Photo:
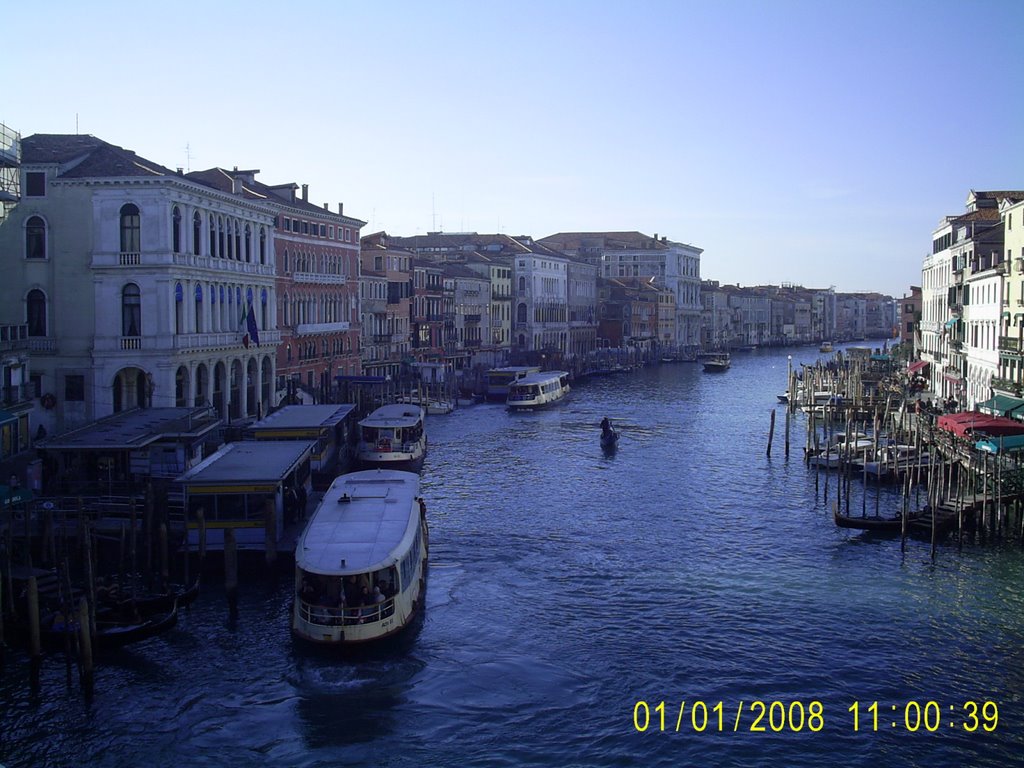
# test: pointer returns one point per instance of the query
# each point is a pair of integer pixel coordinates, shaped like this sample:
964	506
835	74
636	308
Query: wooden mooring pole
86	671
771	434
270	526
231	570
35	649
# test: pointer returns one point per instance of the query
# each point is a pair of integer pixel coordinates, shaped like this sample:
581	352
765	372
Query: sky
817	143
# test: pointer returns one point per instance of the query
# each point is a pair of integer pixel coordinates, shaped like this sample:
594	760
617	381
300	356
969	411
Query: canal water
571	593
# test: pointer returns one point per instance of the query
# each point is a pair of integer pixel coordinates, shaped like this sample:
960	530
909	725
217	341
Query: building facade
134	281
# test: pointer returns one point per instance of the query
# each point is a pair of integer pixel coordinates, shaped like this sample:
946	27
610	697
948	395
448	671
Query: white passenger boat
826	346
393	437
500	379
538	390
361	562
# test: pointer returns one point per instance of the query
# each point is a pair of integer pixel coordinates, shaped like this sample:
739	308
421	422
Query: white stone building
137	285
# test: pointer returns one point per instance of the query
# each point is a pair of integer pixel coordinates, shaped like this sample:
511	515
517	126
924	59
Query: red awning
915	367
974	422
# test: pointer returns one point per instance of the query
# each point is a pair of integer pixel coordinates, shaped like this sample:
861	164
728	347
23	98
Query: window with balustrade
131	310
131	228
35	309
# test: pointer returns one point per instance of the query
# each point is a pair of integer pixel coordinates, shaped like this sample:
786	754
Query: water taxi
826	346
538	390
393	437
361	562
500	379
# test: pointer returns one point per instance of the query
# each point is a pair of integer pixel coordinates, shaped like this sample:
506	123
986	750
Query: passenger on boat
605	425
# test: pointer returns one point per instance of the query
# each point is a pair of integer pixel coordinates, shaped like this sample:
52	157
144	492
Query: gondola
55	634
146	604
877	523
609	439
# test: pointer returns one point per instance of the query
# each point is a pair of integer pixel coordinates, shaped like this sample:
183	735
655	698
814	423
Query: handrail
334	616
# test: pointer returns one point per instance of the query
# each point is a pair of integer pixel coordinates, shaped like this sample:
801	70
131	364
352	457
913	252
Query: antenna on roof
76	123
188	158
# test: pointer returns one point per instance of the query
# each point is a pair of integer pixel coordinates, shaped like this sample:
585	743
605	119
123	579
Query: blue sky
805	142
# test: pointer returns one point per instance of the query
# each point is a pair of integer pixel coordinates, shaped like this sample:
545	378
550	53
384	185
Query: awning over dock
970	423
135	429
1003	405
261	464
300	420
1009	444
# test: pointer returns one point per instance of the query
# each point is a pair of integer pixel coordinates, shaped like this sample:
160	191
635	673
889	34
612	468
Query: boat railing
336	616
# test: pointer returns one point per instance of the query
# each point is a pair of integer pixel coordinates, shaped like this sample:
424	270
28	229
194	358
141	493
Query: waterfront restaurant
332	429
233	488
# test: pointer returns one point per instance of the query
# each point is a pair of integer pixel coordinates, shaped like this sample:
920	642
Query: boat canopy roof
539	378
366	521
304	417
394	415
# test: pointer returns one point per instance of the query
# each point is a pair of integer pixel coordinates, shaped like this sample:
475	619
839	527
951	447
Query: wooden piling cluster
966	490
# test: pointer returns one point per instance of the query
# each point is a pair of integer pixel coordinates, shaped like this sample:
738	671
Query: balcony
1006	386
1010	344
306	328
319	279
472	344
42	346
471	319
13	337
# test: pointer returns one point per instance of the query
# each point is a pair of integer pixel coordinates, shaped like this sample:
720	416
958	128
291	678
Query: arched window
248	243
263	245
231	242
197	232
220	237
179	313
176	229
238	243
131	310
130	228
213	235
35	238
36	312
521	313
522	285
264	313
199	309
286	260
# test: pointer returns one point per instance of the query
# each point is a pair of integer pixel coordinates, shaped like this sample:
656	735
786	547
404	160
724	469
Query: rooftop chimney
327	206
305	193
181	171
236	185
341	209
